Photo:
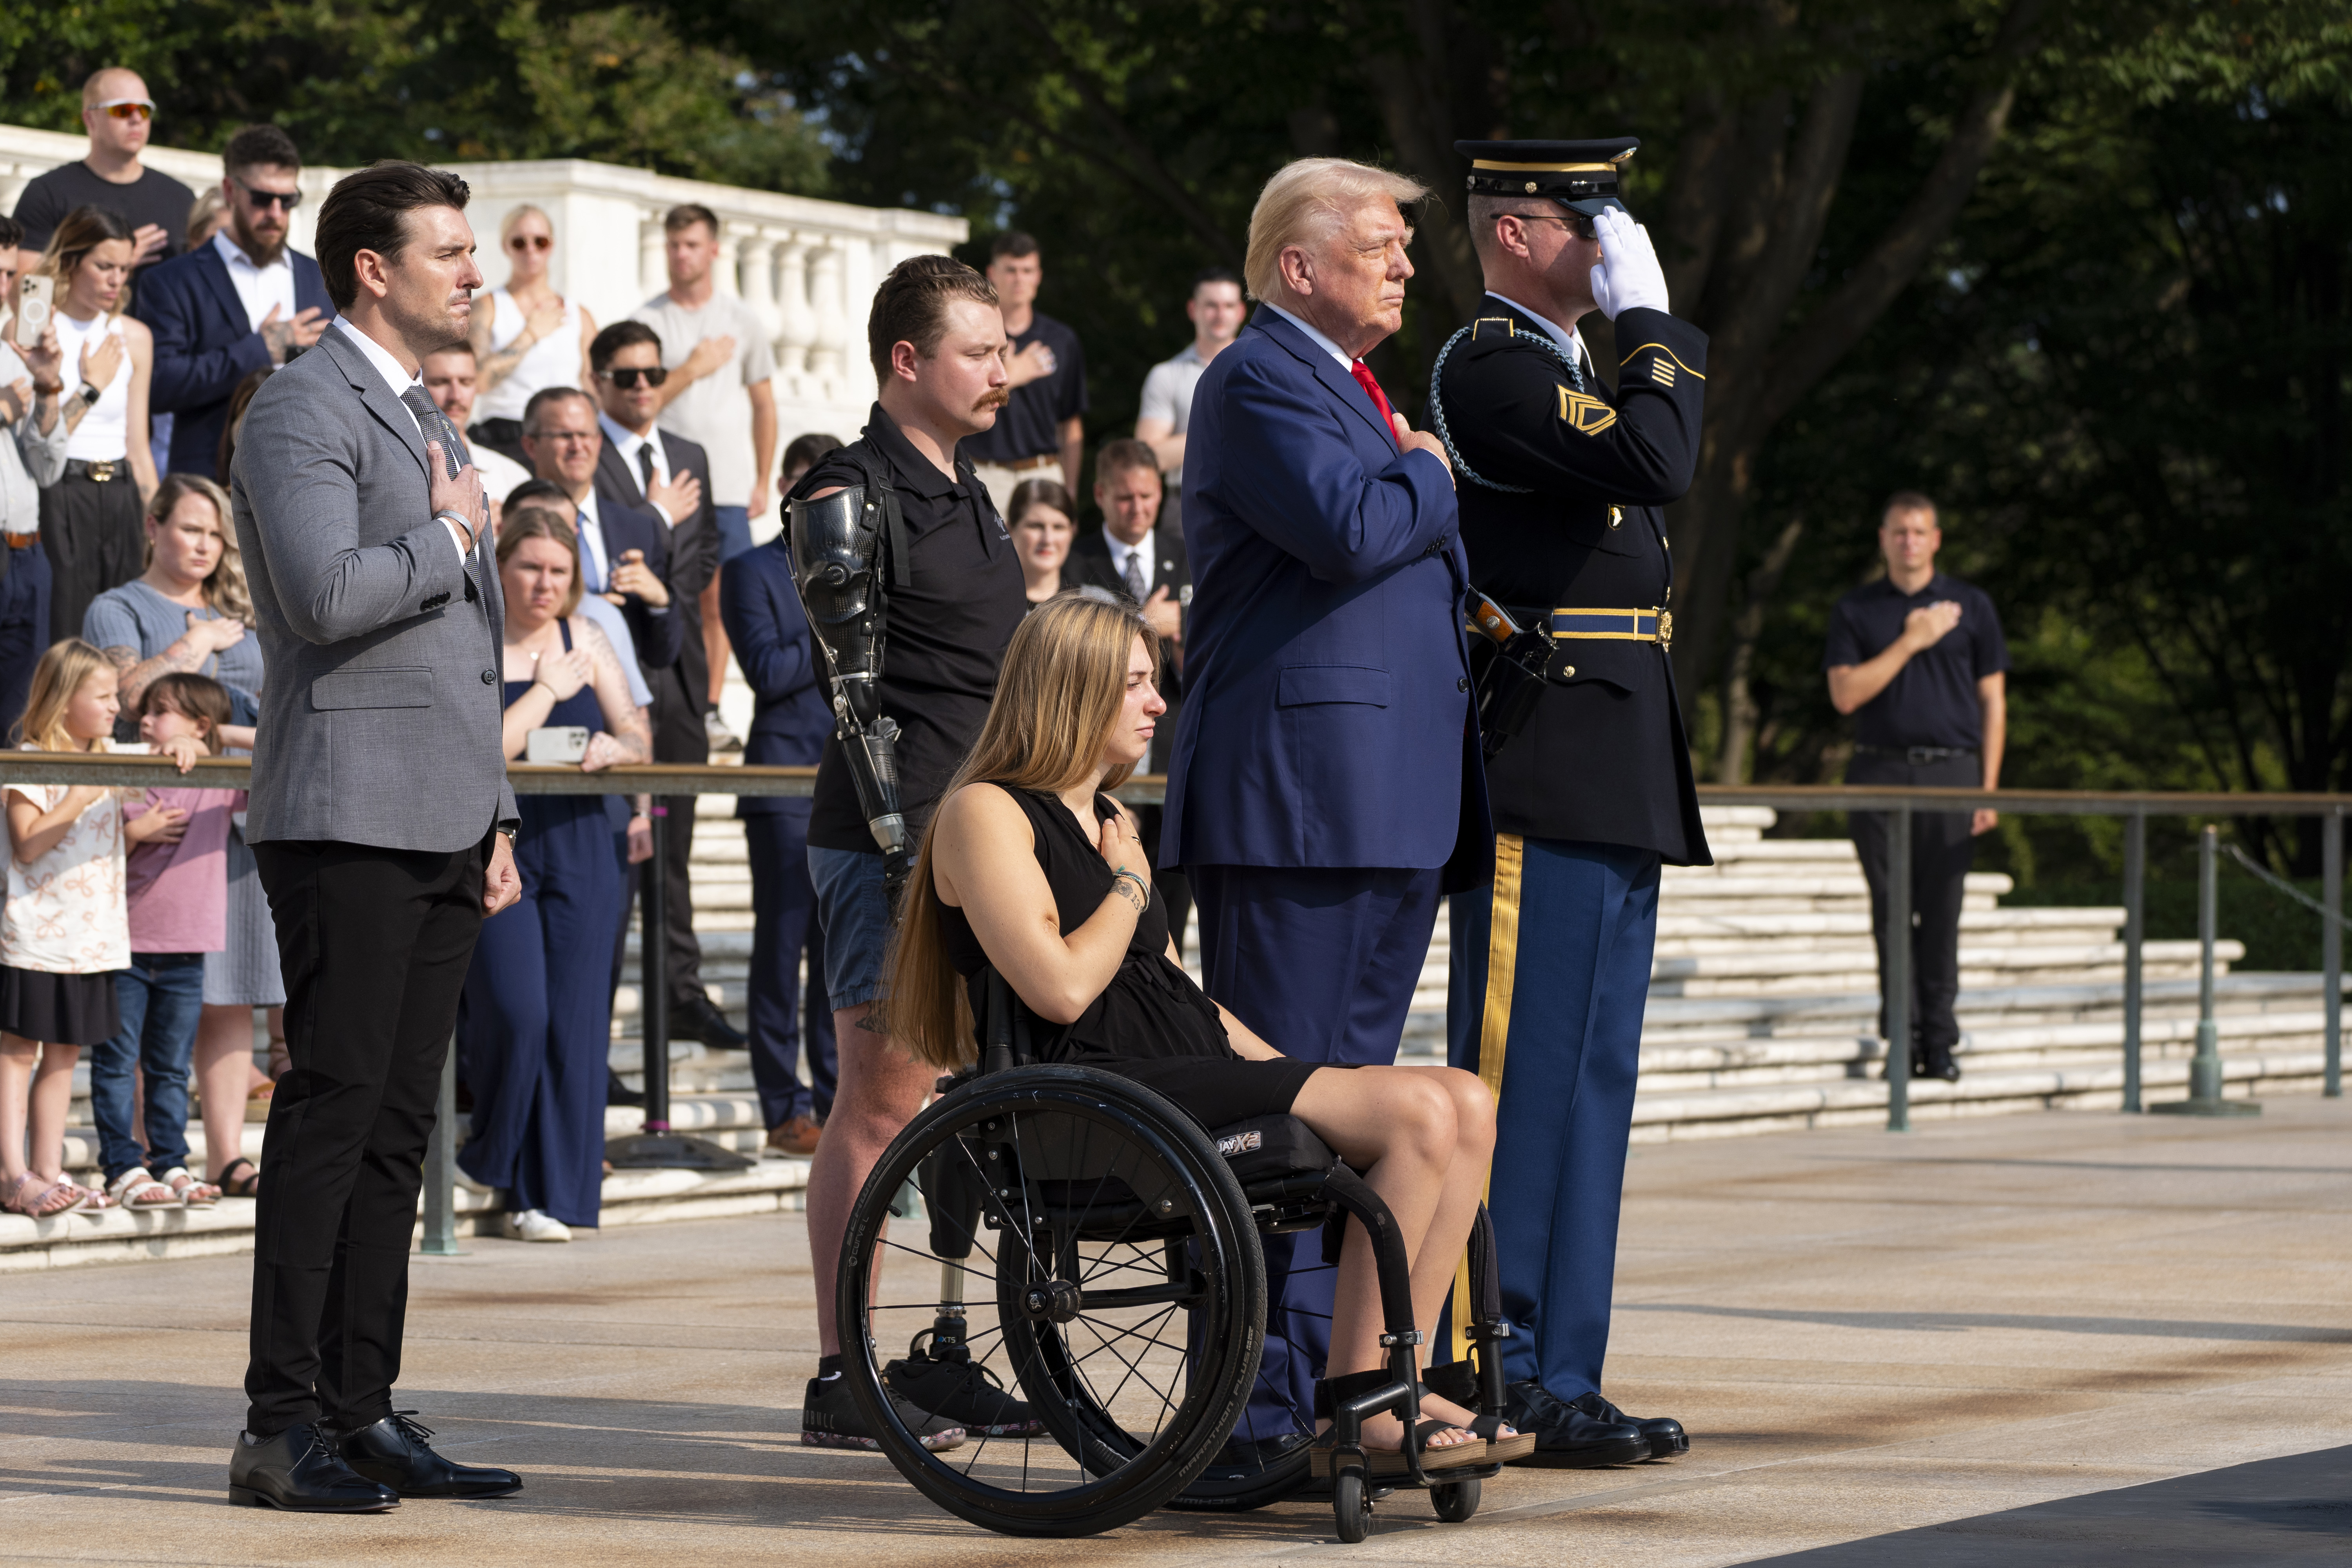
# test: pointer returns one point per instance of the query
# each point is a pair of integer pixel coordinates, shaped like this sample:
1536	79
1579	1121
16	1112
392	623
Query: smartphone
556	744
33	300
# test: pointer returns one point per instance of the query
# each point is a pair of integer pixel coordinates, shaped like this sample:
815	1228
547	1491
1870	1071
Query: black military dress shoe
394	1451
1666	1433
694	1018
297	1471
1568	1437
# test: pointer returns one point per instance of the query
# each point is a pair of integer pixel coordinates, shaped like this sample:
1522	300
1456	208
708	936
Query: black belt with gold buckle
103	472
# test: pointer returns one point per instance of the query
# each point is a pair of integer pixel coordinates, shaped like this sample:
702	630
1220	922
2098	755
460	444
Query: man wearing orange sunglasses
119	116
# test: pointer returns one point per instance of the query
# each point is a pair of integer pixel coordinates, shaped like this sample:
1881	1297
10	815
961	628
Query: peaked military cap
1580	175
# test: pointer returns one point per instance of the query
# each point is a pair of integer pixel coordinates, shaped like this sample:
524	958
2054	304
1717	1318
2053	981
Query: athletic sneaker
830	1419
962	1391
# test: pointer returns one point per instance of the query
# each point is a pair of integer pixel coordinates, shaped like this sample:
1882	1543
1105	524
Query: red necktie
1363	375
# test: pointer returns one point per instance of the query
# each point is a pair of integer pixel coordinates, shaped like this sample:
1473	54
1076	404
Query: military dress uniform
1560	483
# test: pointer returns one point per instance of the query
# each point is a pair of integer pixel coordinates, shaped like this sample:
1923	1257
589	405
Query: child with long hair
1030	867
64	930
177	883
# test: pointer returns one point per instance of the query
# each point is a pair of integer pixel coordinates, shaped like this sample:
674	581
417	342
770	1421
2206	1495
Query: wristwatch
89	394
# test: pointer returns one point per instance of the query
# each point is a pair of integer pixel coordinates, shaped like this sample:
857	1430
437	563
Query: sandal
194	1194
137	1190
1385	1461
1456	1384
257	1101
57	1199
92	1200
246	1186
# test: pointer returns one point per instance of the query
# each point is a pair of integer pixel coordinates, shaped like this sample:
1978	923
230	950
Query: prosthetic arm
846	549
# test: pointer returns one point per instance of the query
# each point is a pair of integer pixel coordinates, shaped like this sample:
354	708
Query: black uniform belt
1656	625
1917	756
104	471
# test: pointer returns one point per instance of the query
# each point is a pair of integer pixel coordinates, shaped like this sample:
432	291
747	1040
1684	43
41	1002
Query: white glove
1629	273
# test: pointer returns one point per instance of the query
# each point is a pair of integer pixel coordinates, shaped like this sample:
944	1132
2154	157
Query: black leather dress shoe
297	1471
694	1018
1568	1437
1666	1433
393	1452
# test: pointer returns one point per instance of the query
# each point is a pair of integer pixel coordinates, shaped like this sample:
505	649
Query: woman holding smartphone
538	999
90	519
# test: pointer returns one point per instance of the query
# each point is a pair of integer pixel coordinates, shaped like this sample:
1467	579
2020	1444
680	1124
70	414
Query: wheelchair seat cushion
1263	1148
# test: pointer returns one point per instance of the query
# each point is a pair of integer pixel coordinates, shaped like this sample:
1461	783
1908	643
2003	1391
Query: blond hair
55	678
225	588
515	214
1305	203
1057	697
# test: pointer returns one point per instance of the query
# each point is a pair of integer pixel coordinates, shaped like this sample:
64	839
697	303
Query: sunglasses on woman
629	376
532	242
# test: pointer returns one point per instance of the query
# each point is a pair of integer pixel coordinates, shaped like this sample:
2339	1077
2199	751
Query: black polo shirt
946	635
1932	700
1030	426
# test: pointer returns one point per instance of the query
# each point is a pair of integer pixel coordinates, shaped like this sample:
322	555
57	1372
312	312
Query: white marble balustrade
807	267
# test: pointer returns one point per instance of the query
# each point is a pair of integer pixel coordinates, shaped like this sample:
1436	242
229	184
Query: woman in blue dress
537	1011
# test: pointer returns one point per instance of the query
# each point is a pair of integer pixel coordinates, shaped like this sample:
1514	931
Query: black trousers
95	541
679	737
374	944
784	1019
1941	850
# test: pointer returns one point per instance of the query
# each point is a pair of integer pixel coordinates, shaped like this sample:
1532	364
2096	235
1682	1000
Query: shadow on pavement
2291	1511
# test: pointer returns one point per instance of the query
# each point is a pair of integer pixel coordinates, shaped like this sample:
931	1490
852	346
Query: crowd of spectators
625	465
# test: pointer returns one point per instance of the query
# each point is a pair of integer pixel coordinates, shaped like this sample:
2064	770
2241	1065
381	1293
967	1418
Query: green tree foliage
361	79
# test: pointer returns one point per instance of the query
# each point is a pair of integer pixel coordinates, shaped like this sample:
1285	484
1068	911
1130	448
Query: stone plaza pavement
1962	1346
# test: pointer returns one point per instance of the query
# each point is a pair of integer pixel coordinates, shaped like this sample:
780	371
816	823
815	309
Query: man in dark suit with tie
244	302
770	634
623	551
1327	764
1132	554
643	469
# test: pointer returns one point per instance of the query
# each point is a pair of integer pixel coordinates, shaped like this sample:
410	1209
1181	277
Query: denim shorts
855	916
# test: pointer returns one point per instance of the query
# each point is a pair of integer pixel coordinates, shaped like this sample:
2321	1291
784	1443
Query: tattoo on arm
630	729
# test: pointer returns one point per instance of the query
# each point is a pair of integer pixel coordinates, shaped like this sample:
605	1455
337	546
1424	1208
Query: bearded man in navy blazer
245	302
1327	766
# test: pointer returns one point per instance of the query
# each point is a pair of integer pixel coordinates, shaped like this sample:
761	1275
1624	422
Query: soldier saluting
1560	482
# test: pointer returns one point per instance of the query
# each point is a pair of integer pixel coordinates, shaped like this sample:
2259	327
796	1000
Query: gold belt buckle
1666	629
102	471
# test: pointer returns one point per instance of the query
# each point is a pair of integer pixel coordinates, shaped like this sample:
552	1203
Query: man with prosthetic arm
1560	482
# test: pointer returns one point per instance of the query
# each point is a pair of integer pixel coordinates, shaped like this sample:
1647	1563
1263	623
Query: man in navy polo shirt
1917	657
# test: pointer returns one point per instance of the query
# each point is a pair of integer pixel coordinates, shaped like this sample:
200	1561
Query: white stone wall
808	268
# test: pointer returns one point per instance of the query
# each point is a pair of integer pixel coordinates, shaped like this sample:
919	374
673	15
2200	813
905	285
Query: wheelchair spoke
1133	1370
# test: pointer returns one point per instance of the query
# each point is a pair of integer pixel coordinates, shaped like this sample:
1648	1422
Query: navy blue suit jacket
769	633
204	347
1328	719
628	528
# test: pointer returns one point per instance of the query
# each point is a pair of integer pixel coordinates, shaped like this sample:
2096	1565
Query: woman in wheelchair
1030	867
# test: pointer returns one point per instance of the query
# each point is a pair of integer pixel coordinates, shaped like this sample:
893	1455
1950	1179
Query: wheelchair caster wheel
1455	1502
1351	1507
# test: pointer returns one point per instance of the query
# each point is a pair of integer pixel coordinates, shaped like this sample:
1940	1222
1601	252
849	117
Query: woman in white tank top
91	518
527	337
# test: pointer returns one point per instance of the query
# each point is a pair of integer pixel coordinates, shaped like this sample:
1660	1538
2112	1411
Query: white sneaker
532	1224
720	737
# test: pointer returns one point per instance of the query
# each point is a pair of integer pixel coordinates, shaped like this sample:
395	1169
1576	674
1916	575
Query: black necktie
646	465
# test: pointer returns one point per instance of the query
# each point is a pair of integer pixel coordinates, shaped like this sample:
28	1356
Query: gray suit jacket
381	720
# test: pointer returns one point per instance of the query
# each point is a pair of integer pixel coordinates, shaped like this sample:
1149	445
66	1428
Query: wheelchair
1078	1241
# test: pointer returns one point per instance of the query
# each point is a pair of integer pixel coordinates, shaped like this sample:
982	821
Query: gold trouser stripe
1493	1030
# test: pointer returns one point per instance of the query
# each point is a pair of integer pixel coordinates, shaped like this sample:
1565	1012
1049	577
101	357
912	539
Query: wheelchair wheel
1070	1222
1351	1506
1455	1502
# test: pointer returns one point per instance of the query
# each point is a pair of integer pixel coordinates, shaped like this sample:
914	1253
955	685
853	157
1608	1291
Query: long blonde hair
1058	695
225	588
55	678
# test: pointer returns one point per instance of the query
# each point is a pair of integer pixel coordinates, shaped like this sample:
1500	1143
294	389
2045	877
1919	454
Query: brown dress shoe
797	1137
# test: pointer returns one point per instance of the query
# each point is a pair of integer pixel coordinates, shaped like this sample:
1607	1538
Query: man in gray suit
380	823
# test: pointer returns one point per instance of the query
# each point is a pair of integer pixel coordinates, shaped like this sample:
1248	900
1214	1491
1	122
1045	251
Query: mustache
996	399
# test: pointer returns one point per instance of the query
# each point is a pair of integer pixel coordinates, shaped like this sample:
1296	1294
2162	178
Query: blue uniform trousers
1321	964
1573	926
783	926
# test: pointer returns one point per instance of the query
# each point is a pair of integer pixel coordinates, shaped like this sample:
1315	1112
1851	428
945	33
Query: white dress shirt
258	288
397	381
1571	341
1120	550
624	443
1315	336
595	564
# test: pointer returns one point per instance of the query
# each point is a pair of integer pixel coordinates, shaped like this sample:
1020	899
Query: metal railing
658	1145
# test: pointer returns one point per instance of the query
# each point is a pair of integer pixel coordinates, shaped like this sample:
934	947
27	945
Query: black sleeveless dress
1151	1024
